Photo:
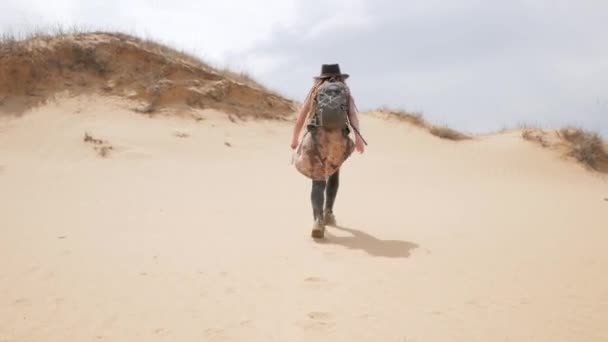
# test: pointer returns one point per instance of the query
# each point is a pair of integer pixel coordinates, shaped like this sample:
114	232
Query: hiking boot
318	229
329	219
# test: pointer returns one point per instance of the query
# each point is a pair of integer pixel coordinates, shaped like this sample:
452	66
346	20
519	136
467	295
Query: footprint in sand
316	282
161	331
317	321
180	134
319	316
216	334
20	301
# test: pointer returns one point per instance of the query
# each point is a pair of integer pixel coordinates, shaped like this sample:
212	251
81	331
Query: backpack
331	105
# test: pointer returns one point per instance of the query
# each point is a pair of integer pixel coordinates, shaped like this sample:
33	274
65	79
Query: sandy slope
187	239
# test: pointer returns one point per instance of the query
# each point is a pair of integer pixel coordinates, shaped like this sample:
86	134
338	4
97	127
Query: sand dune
192	225
199	230
32	71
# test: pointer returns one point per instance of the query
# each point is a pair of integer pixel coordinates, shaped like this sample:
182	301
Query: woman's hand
359	146
294	143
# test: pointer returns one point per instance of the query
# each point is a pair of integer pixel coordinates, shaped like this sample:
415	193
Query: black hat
329	70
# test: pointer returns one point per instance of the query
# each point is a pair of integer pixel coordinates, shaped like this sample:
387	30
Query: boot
329	219
318	230
318	227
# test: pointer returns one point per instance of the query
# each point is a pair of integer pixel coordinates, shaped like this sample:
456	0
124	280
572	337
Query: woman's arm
354	121
352	115
300	123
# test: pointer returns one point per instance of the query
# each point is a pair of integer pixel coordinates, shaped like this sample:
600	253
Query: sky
475	65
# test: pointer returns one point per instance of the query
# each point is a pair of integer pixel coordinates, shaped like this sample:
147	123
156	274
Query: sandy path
188	239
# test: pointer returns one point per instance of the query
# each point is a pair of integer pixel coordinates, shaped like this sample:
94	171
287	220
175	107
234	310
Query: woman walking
329	113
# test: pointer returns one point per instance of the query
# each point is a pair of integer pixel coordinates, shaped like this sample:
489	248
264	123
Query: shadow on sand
368	243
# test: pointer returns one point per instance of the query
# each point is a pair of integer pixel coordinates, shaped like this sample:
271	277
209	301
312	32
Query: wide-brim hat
331	70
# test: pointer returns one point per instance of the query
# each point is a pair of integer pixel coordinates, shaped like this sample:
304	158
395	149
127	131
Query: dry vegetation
535	135
413	118
586	147
102	147
418	120
448	133
37	67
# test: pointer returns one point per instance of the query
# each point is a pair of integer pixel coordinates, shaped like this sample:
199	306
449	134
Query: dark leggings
322	189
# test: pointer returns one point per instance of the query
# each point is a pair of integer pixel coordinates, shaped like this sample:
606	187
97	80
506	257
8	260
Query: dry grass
102	147
535	135
447	133
243	77
414	118
89	139
172	53
417	119
104	151
587	147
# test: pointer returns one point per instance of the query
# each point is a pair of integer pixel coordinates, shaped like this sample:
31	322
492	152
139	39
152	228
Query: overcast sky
476	65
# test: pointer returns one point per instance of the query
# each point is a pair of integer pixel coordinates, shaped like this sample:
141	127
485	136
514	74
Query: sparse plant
535	135
445	132
104	150
89	138
587	147
417	119
102	147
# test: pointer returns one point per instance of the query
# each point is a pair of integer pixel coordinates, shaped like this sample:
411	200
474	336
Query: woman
327	144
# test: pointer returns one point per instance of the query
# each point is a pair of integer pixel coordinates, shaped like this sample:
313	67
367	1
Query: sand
200	231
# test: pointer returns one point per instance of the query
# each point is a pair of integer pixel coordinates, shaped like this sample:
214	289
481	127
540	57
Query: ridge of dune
576	144
34	69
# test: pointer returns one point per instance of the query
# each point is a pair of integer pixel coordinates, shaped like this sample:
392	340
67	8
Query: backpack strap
350	124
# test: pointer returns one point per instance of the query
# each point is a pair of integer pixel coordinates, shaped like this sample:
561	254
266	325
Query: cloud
476	65
208	28
20	16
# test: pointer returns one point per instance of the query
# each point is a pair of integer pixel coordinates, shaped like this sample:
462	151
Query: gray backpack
331	105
